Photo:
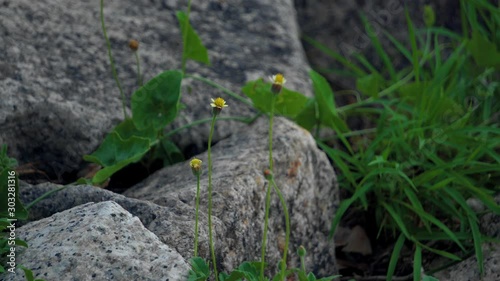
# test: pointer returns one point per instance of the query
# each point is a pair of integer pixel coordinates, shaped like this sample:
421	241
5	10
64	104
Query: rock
101	241
338	26
59	98
165	201
468	270
302	172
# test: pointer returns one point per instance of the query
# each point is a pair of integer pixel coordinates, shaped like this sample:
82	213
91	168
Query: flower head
278	82
218	104
133	45
195	166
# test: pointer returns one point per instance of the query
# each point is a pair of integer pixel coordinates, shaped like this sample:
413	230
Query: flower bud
301	251
133	45
195	166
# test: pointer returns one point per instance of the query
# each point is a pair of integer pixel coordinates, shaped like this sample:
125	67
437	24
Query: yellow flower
278	81
195	166
218	104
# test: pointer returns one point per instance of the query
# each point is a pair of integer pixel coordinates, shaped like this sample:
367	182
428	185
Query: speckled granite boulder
98	241
165	201
59	98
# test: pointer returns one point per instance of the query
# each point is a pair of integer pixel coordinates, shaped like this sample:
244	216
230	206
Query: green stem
271	117
303	264
287	228
196	216
108	44
214	261
222	88
264	236
139	77
45	195
184	41
268	194
246	120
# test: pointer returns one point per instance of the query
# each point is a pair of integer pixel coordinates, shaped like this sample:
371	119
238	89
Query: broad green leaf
288	103
5	161
116	153
307	118
126	129
484	52
194	48
326	103
10	205
156	104
170	153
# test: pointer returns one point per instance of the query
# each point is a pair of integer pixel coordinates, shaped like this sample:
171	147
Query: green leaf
429	16
194	48
199	269
417	263
326	104
5	161
170	153
484	52
10	205
395	256
156	104
307	118
127	129
369	85
116	153
288	103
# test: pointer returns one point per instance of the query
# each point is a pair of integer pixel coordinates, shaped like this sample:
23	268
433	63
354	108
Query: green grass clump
436	137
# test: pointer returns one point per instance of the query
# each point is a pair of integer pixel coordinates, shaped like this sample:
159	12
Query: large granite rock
59	98
98	241
165	201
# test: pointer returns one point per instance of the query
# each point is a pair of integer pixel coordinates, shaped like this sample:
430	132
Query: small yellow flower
278	81
195	166
218	104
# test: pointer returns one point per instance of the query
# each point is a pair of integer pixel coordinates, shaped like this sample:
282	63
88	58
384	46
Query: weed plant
434	144
436	138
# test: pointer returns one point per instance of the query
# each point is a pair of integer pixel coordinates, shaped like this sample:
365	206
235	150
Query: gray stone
58	95
468	270
302	172
338	26
98	241
165	203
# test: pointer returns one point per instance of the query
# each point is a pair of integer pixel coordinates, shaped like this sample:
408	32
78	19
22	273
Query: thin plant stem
184	41
196	215
264	236
222	88
268	194
111	61
214	261
45	195
139	77
287	227
303	264
246	120
271	117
